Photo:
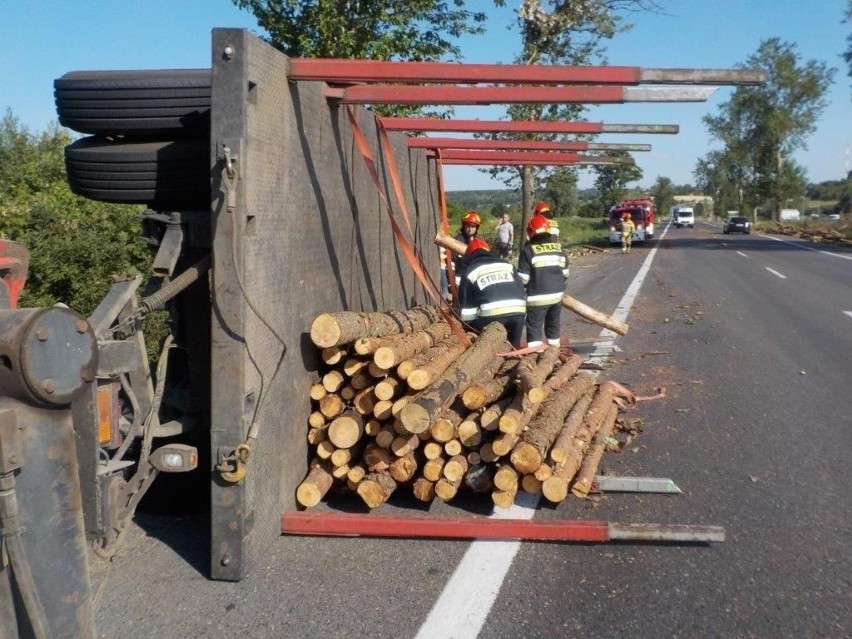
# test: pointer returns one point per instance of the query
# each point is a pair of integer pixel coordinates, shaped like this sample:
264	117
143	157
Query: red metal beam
434	94
354	525
328	524
520	126
520	145
344	70
511	158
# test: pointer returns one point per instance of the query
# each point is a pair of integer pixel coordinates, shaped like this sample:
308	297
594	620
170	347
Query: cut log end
554	489
414	418
325	331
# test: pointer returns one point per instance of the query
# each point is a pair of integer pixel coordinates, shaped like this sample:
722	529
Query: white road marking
849	313
463	606
809	248
774	272
741	253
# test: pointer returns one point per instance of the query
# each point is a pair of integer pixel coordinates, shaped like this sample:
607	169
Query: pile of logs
406	401
817	233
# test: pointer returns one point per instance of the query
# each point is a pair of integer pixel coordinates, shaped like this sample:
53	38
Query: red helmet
477	244
472	218
541	208
538	224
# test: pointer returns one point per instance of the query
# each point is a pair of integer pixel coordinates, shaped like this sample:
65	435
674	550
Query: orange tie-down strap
413	259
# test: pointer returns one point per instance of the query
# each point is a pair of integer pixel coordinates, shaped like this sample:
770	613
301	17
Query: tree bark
589	468
529	453
450	243
559	451
334	329
314	487
418	414
420	359
403	468
556	487
485	391
519	413
533	372
421	377
387	357
587	312
376	488
423	489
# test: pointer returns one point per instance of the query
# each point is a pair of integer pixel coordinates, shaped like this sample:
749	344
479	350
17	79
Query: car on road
833	216
684	217
737	224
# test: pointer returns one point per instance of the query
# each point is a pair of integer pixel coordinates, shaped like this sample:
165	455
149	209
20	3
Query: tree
611	181
761	126
663	193
422	30
76	245
559	33
561	191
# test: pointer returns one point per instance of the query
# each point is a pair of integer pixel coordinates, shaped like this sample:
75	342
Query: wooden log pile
403	402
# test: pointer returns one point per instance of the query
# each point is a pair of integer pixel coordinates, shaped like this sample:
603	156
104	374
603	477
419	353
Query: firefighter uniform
491	291
627	229
543	268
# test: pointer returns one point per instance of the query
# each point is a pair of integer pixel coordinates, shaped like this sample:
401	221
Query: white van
684	216
789	215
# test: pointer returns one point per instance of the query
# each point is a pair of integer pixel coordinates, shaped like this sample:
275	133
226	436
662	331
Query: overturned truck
270	201
289	222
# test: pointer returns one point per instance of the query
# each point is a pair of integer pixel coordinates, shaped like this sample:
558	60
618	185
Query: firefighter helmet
477	244
538	224
541	208
472	219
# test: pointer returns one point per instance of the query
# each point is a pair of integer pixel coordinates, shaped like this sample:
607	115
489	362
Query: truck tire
155	104
173	174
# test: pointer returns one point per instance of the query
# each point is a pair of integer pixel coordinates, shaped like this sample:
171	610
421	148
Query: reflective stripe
489	269
504	310
544	300
468	314
501	303
548	260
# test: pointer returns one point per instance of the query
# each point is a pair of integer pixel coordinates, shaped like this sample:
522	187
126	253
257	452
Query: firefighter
470	227
543	209
491	291
543	268
627	229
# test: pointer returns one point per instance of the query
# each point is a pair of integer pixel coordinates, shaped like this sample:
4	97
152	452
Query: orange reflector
106	413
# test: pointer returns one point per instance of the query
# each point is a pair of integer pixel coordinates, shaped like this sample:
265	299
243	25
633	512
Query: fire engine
642	211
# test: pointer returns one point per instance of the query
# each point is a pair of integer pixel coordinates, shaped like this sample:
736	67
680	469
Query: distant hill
485	199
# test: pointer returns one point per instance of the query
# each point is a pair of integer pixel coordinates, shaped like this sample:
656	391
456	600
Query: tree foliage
554	32
406	30
422	30
663	193
561	191
611	181
761	126
76	245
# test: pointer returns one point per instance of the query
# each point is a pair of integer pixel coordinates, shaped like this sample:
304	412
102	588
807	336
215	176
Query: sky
46	38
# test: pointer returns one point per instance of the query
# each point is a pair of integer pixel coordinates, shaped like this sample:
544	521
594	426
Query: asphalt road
752	340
